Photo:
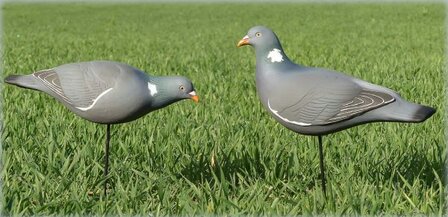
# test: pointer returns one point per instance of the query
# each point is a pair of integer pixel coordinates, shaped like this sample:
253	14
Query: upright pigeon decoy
107	92
317	101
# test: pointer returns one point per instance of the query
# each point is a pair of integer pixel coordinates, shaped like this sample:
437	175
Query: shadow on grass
410	167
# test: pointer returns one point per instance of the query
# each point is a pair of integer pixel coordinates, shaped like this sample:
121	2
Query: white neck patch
152	89
275	55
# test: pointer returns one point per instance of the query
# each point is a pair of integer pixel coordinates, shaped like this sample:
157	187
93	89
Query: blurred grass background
224	155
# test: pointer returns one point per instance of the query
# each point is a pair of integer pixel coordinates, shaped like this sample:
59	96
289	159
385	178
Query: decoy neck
271	55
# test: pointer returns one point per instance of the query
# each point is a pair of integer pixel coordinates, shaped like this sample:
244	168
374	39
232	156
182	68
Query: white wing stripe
275	112
95	100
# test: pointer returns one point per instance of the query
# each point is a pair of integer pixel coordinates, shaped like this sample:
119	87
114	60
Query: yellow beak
194	97
244	41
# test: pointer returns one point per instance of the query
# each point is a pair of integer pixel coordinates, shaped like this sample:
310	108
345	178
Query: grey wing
78	84
51	80
334	103
365	101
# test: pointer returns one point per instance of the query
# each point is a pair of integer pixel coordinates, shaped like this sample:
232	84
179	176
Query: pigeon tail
411	112
423	113
25	81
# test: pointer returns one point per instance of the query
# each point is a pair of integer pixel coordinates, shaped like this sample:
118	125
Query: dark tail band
25	81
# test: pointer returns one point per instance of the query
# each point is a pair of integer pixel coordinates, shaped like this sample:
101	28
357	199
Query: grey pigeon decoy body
107	92
317	101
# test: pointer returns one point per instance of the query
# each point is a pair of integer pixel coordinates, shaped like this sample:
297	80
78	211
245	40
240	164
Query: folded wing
79	84
328	104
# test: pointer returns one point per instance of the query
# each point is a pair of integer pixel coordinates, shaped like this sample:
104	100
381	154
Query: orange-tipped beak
194	97
244	41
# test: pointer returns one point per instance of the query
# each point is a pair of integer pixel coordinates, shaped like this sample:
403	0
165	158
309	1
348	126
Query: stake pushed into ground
322	167
106	158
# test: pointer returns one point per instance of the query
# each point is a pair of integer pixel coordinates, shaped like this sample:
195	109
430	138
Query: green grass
162	163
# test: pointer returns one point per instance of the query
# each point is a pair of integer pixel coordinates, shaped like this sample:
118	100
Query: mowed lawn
225	155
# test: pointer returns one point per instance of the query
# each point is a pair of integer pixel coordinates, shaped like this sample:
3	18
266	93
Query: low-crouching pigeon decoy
317	101
107	92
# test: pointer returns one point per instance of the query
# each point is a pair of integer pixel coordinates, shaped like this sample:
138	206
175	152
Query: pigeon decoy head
175	88
260	37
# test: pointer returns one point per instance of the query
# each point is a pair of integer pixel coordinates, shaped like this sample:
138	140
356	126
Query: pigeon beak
193	96
244	41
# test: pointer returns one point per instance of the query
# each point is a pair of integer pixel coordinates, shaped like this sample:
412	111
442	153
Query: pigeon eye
258	34
181	87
